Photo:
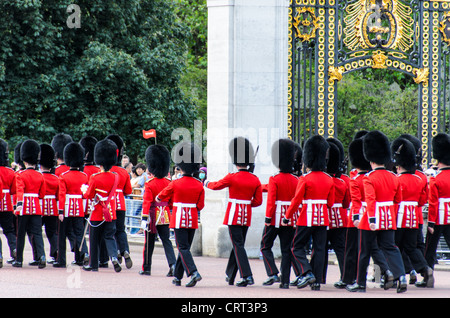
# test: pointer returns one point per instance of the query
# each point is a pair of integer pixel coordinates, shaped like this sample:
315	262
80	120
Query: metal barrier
133	204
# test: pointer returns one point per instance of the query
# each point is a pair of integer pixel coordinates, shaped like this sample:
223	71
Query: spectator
128	167
141	176
125	160
203	173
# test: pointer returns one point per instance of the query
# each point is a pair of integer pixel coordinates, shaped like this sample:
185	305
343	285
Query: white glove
144	224
84	188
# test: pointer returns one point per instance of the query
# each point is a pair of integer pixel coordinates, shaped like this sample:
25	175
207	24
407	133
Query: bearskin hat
3	153
157	158
315	153
60	141
417	146
356	155
376	147
17	158
88	143
298	158
334	158
241	151
360	134
105	153
283	152
48	159
119	143
74	155
187	156
404	154
29	151
441	148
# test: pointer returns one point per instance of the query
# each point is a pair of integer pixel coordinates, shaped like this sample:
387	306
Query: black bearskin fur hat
48	159
157	158
59	142
298	159
187	156
119	143
334	159
360	134
417	145
283	152
4	149
376	147
29	151
315	153
404	154
356	155
74	155
105	153
88	143
241	151
17	158
441	148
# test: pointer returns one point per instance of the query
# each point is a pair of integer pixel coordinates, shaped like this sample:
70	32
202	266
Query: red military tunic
90	169
153	186
315	191
337	215
358	206
49	203
123	187
100	186
7	178
30	188
61	169
71	201
439	198
414	196
425	180
280	191
244	193
188	197
382	193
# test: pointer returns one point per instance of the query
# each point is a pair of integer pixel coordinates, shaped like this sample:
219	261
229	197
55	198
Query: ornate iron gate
329	38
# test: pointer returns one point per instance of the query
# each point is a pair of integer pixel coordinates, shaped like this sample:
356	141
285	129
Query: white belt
31	195
74	196
442	203
180	211
233	208
337	205
279	204
379	205
5	190
50	196
309	209
401	210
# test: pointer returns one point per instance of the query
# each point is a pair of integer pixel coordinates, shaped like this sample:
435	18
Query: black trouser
379	240
101	231
238	259
406	240
121	235
432	241
301	240
76	226
149	245
7	224
51	231
336	239
420	246
286	234
351	255
31	224
185	261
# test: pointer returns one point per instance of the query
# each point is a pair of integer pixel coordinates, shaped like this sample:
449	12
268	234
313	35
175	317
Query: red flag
149	133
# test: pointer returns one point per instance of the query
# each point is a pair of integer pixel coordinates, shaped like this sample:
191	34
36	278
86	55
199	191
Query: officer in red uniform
102	189
49	203
439	198
188	197
30	188
156	215
123	189
281	190
58	143
244	193
414	196
382	193
315	191
7	179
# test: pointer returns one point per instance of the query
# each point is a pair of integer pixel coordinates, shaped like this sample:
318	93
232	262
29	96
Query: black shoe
58	265
176	281
128	261
144	273
103	265
356	288
306	280
295	281
284	286
340	285
402	284
195	277
428	279
315	286
117	267
86	259
388	280
272	279
229	280
245	281
412	277
171	271
34	263
51	261
42	263
10	260
90	268
16	264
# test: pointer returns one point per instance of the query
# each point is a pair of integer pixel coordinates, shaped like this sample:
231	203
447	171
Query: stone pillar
247	96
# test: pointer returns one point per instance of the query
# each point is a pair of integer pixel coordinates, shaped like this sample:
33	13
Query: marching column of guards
376	214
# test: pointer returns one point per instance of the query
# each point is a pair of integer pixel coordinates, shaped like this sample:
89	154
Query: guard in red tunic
49	204
414	196
281	190
382	194
71	206
244	193
315	192
123	189
102	219
188	197
7	179
439	198
156	215
59	142
30	188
